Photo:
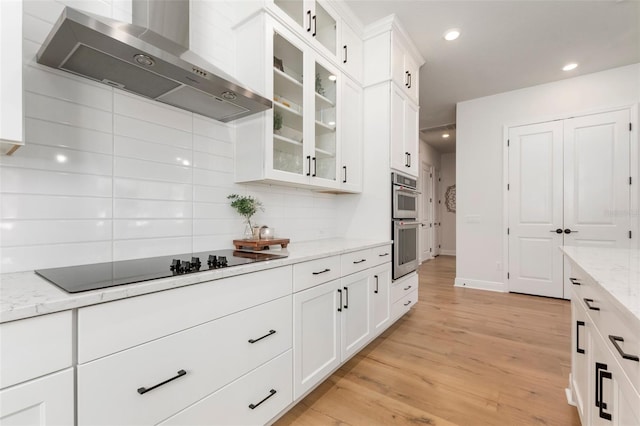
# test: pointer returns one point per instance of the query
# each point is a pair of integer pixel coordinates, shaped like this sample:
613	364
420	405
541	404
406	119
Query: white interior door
437	207
426	212
535	209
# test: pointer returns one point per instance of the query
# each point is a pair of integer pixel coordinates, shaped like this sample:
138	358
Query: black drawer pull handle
376	290
599	366
143	390
575	281
321	272
408	303
271	393
383	254
578	324
346	298
270	333
603	375
588	303
623	354
407	288
359	261
340	304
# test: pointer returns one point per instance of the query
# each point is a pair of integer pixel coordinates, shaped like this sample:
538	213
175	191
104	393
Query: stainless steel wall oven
404	224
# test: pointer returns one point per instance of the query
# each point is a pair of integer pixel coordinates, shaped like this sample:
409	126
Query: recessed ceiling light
333	77
569	67
451	34
445	135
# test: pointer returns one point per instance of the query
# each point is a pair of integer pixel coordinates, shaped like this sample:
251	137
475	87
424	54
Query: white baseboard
447	252
481	285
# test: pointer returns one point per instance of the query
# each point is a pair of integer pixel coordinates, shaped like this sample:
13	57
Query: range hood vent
142	61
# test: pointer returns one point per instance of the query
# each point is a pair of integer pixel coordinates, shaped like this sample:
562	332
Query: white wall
107	175
429	155
448	219
480	123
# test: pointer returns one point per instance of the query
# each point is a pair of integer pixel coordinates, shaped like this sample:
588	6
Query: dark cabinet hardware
309	16
599	366
340	304
578	324
144	390
308	165
603	375
409	86
557	231
359	261
321	272
623	354
314	166
315	26
408	303
568	231
345	174
407	288
346	297
574	281
270	333
383	254
376	290
406	78
345	54
588	303
271	393
409	159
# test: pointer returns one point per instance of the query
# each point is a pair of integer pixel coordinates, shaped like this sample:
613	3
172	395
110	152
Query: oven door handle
407	190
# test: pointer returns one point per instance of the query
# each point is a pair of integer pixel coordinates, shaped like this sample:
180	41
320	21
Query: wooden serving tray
260	244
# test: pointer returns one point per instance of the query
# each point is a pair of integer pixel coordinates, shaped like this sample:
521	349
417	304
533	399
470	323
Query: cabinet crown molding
392	23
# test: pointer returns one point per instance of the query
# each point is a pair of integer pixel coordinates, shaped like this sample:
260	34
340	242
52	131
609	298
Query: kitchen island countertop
25	294
617	271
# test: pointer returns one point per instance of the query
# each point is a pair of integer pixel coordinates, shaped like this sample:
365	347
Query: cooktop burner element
75	279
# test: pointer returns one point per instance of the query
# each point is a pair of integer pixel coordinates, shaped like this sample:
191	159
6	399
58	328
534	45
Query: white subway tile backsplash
150	209
59	159
22	206
67	88
150	190
136	249
141	169
26	258
127	229
149	151
151	132
61	135
36	232
151	111
51	109
107	175
29	181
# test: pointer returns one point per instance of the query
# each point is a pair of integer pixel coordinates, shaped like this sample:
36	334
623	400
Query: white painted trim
505	207
481	285
447	252
634	156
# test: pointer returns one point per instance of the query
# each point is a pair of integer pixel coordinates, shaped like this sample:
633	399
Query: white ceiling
506	45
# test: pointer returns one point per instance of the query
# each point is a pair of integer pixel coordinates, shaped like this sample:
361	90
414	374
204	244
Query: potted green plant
277	121
246	206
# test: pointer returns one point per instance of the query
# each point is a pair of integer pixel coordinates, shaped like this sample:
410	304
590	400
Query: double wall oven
404	224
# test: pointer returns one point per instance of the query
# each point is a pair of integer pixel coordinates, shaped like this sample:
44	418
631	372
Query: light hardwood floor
460	357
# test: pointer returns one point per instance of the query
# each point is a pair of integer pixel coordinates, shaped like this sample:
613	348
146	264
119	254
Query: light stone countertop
617	271
25	294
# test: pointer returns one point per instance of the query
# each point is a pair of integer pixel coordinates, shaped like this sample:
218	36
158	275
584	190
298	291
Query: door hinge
629	180
507	142
629	234
507	231
431	225
430	200
439	246
508	276
507	187
430	174
629	126
429	249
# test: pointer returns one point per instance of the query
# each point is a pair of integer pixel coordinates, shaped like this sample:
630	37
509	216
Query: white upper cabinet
351	130
11	116
404	68
351	52
299	141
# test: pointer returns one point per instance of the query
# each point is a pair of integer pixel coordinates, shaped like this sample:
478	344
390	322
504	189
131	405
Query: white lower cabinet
316	335
404	294
149	383
381	304
253	399
46	401
355	313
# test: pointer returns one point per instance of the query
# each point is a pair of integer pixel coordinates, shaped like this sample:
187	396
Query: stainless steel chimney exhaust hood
149	59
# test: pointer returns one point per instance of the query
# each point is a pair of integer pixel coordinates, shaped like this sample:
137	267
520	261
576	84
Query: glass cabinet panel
325	123
288	123
325	29
293	8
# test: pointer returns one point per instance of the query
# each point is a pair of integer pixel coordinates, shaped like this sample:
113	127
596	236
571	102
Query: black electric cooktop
75	279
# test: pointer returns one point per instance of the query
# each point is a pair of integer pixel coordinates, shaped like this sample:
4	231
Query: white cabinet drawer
111	327
402	306
356	261
44	401
268	389
401	288
34	347
314	272
380	255
209	355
